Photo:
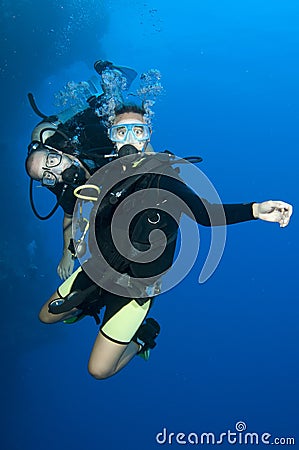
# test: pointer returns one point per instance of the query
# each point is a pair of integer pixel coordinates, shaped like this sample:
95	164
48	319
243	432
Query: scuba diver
127	287
67	149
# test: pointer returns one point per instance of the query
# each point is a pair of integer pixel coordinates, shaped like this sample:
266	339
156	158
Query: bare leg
46	317
107	357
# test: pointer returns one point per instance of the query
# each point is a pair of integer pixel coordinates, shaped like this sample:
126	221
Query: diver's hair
130	107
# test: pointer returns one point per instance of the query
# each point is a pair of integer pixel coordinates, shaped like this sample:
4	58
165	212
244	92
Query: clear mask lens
139	132
53	159
49	179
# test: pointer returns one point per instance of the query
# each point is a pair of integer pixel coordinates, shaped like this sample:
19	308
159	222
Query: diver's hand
66	265
273	211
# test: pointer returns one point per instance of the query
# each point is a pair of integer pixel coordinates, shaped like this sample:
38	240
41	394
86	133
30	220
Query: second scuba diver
64	154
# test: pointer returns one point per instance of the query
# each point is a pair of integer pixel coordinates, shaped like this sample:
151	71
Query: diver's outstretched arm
273	211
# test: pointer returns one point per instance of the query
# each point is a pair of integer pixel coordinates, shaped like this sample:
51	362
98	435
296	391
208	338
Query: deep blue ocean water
228	349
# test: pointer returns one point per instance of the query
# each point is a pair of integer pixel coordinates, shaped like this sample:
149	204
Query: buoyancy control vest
143	224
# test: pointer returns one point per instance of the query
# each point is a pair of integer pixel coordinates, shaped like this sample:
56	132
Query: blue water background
228	349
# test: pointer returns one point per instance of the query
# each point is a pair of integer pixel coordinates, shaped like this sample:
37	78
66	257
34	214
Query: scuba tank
44	130
49	125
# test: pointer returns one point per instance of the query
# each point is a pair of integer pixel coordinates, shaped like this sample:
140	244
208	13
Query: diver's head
130	128
51	167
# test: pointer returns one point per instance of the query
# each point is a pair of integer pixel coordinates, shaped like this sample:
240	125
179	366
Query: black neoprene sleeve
206	213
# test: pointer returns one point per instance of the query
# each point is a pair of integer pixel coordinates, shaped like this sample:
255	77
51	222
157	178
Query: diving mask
49	178
120	133
73	175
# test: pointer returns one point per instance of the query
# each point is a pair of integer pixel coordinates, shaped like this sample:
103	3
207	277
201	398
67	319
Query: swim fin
74	319
145	336
127	72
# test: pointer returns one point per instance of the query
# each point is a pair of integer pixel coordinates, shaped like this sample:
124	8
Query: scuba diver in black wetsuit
127	307
65	153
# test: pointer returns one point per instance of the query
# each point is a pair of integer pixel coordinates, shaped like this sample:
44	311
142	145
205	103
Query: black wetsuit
116	319
145	222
